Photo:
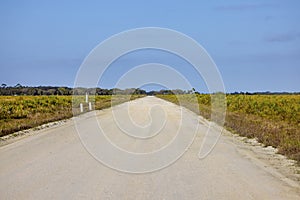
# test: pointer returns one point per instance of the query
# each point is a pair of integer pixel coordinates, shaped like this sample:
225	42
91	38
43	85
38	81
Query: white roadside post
86	98
90	105
81	107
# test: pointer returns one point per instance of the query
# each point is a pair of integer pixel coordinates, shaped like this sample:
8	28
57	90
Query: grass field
273	119
23	112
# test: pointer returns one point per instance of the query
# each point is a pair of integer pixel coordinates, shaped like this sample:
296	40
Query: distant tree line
176	91
50	90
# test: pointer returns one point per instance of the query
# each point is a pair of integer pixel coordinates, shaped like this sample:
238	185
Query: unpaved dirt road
53	164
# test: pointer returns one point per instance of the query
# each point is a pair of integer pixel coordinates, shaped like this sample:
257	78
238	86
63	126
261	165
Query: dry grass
23	112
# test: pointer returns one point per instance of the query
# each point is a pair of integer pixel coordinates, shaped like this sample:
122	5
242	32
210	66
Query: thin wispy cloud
268	18
243	7
284	37
256	58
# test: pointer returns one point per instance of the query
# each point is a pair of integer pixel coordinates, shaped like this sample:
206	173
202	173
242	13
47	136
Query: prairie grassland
273	119
23	112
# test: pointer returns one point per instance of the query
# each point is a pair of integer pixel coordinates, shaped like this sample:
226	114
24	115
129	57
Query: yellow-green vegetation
23	112
273	119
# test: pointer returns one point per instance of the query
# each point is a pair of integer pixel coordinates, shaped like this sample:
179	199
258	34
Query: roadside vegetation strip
23	112
273	120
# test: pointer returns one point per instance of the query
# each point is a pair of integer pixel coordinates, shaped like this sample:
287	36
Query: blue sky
255	44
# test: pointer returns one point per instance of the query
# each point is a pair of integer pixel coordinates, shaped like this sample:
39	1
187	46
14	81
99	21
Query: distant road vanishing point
54	164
